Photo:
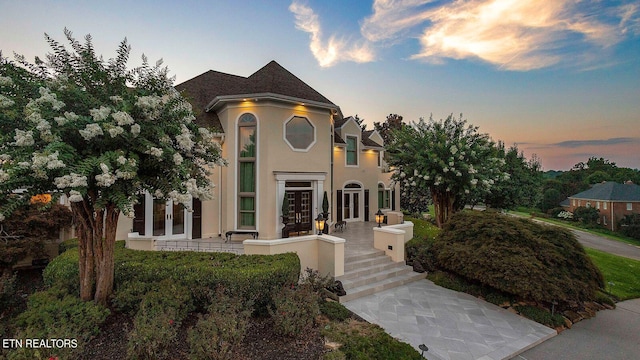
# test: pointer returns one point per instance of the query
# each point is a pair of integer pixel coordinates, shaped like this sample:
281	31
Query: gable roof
207	90
366	140
611	191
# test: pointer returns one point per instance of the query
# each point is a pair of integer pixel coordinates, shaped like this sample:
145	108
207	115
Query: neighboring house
280	138
613	201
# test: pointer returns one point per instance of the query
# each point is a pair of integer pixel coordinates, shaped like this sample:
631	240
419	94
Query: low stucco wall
391	239
137	242
324	253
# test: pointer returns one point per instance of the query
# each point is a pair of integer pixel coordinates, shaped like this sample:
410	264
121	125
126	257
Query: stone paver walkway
453	325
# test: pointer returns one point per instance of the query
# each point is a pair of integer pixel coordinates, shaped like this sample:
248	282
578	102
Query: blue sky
559	78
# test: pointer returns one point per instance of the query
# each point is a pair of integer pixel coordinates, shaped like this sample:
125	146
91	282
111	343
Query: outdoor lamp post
379	217
320	224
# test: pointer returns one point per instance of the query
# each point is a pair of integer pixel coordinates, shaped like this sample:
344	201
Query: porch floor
358	237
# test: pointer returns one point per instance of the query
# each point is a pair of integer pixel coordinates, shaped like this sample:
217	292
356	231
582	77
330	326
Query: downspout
612	204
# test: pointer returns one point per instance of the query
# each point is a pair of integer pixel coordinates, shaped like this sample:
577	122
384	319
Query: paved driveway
612	334
606	245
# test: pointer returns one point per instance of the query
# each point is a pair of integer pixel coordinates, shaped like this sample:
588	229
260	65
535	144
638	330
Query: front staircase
370	272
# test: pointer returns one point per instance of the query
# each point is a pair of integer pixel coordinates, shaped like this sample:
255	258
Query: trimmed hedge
249	277
517	256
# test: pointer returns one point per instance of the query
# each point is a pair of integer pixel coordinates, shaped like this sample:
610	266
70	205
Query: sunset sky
560	78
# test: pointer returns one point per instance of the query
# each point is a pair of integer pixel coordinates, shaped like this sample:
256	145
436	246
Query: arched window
247	171
384	196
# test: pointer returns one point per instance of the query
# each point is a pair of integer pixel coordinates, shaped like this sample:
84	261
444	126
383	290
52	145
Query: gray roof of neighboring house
270	79
611	191
565	202
366	141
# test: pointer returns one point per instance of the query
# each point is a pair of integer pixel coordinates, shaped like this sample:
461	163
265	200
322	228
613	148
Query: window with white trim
604	205
629	206
352	150
384	197
247	153
300	133
598	205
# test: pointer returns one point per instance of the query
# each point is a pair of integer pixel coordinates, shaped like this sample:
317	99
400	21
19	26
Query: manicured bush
518	257
154	331
630	226
419	250
249	277
334	311
218	334
54	314
363	341
7	292
586	215
67	244
294	310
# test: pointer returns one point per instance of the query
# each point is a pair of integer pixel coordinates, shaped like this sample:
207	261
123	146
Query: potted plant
285	216
325	212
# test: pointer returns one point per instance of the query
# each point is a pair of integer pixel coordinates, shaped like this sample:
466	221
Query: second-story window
352	150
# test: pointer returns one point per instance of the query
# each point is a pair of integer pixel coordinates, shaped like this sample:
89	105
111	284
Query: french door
300	202
351	205
169	219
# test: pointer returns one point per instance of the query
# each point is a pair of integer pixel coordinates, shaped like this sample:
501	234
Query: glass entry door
169	219
299	210
351	204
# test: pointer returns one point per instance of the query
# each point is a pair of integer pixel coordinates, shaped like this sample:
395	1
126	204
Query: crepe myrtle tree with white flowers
447	158
100	134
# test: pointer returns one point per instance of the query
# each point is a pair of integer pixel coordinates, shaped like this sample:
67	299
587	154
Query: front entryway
300	214
169	219
166	219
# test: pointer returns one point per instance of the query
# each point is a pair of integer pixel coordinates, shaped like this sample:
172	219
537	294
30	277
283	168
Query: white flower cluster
205	193
23	138
105	179
121	160
127	175
122	118
2	217
115	99
177	158
565	215
68	116
5	102
90	131
46	96
72	180
135	130
100	114
150	105
45	131
115	131
75	196
157	152
41	162
183	199
184	139
5	81
4	176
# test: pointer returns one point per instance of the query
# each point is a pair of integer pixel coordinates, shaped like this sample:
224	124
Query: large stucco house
281	138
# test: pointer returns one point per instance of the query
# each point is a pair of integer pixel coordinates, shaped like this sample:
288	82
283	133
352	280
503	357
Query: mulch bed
260	342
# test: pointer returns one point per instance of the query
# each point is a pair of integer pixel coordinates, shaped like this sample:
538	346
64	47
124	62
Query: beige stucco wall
273	155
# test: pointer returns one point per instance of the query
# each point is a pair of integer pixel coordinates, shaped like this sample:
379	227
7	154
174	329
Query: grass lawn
423	228
622	275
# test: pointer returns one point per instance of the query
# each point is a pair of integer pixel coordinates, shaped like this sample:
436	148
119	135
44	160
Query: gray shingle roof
366	141
271	78
611	191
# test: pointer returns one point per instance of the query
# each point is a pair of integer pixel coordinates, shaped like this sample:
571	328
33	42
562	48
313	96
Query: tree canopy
100	134
447	157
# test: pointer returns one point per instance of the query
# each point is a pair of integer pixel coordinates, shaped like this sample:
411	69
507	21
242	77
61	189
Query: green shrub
249	277
67	244
63	272
541	316
586	215
603	298
218	334
8	295
127	297
630	226
518	257
419	249
334	310
54	314
154	332
364	341
334	355
294	310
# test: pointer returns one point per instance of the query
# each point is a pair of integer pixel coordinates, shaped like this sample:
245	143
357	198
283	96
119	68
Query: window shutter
366	205
339	205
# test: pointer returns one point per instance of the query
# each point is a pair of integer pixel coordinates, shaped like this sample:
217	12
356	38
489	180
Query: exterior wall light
379	217
320	224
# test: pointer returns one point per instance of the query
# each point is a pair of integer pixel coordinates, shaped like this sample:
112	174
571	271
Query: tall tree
447	158
385	129
100	134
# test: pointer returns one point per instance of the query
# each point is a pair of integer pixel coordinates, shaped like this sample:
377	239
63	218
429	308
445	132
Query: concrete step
376	287
369	270
363	255
388	272
366	262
